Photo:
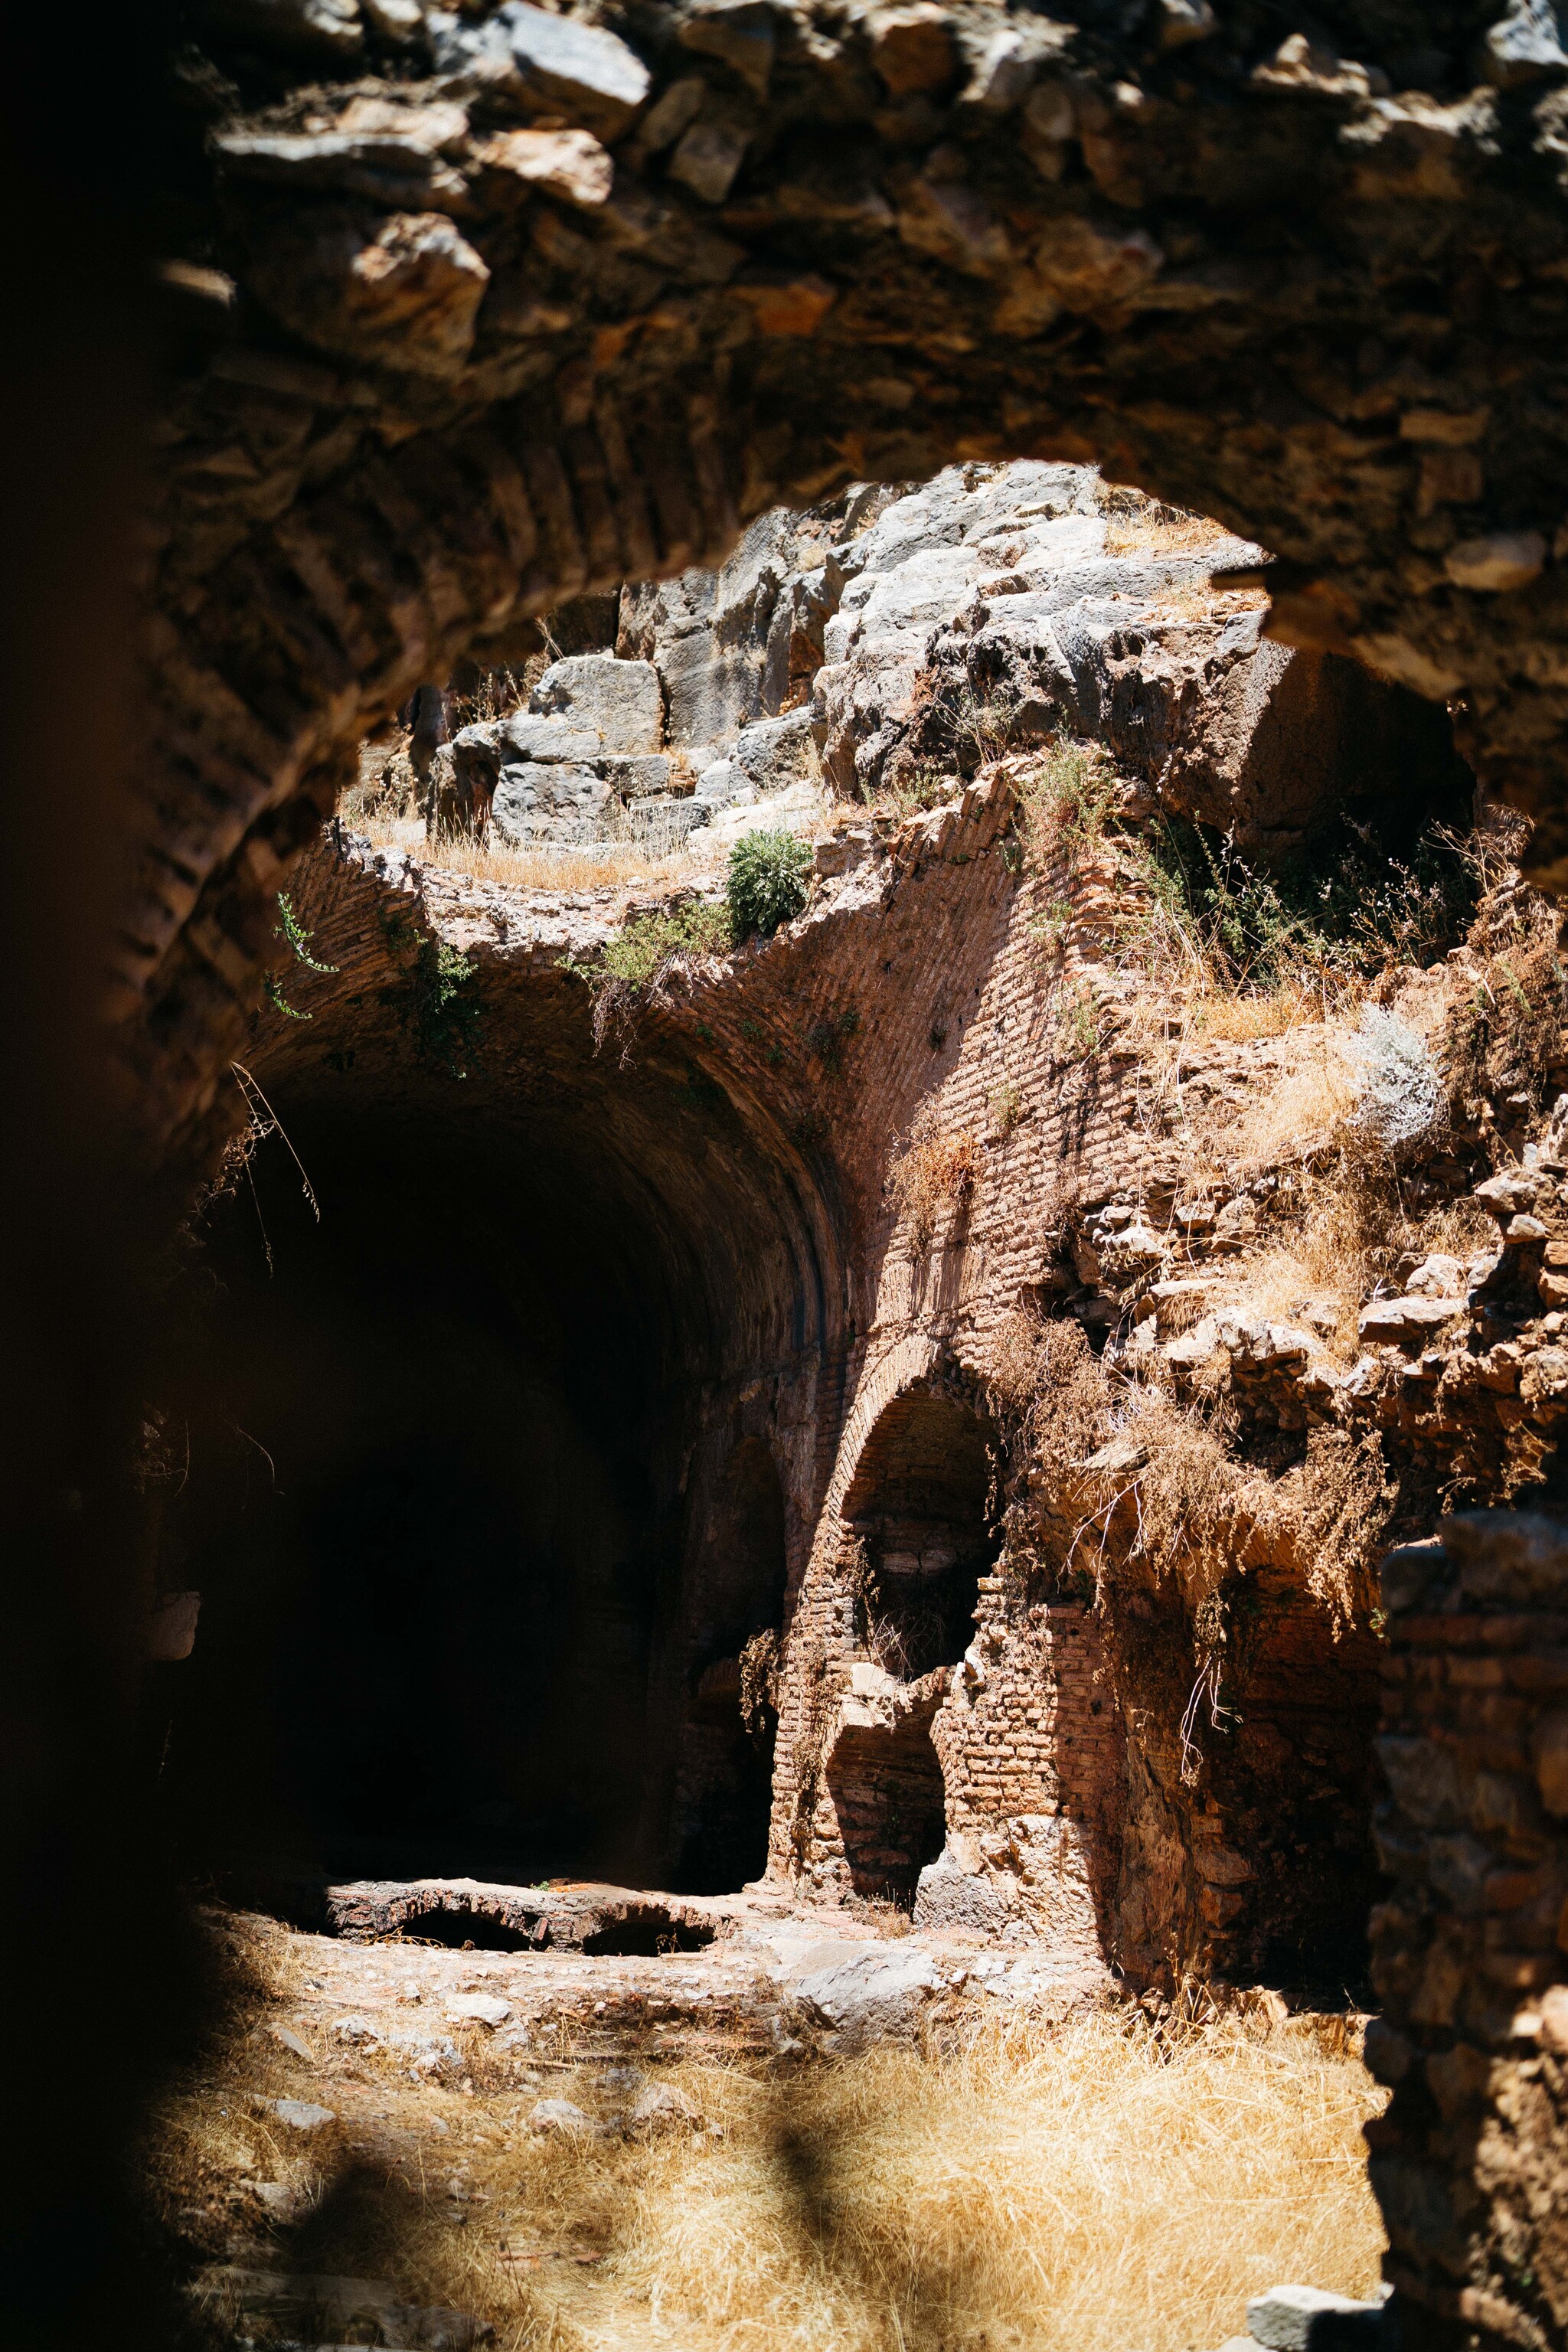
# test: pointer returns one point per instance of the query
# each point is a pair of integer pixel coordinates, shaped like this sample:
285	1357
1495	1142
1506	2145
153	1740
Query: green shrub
642	948
767	884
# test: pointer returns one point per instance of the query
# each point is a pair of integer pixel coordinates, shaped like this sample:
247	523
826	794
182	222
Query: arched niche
919	1512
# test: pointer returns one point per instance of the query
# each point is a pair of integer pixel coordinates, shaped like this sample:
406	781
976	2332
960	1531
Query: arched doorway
919	1515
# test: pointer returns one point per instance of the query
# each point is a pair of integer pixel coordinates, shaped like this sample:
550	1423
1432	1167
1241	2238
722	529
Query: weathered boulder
774	753
861	1994
948	1895
729	644
620	700
541	802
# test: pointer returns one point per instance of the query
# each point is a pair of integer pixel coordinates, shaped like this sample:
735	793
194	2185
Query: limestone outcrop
910	632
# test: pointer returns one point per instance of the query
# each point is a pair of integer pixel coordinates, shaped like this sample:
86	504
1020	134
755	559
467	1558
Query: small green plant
279	1002
769	873
824	1039
1051	922
633	962
290	928
642	949
1083	1023
1070	794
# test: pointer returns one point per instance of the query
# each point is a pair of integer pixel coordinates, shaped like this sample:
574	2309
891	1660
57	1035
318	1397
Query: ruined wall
1470	1946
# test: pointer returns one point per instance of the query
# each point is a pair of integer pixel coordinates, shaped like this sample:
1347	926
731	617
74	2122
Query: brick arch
426	381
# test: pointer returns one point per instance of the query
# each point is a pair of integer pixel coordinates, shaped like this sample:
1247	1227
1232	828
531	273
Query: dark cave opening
467	1931
462	1581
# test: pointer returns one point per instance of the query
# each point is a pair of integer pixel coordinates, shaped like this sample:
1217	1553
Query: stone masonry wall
1470	1950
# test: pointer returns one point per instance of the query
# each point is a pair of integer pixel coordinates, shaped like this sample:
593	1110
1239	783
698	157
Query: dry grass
1029	2183
1343	1230
1046	2189
935	1172
1042	1369
1160	531
532	869
1238	1020
1199	1514
1305	1106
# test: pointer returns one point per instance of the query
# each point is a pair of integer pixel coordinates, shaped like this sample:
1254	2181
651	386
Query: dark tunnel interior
475	1567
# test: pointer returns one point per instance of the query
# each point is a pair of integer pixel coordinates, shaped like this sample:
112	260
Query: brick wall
1470	1947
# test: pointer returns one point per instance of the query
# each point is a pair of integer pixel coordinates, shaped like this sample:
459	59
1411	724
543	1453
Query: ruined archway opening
479	1540
920	1509
920	1513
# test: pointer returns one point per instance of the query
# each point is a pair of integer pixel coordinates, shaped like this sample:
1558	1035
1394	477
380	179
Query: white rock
353	2028
876	1995
479	2008
559	2115
586	69
1522	44
1282	2319
1400	1319
1437	1276
282	2199
661	2102
301	2115
287	2039
621	699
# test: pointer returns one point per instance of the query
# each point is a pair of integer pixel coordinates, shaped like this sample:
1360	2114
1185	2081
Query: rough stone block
875	1994
621	700
585	69
1309	2319
540	802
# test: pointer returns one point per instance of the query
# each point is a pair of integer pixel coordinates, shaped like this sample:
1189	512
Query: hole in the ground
462	1931
644	1933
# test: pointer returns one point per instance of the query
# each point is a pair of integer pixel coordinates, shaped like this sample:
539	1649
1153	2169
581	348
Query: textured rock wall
1470	1946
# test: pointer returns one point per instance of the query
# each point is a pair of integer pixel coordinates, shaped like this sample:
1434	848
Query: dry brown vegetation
1042	1370
934	1171
1189	1508
1029	2183
1137	525
609	867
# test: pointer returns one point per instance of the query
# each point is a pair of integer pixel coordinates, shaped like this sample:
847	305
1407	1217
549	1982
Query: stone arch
916	1519
920	1506
404	414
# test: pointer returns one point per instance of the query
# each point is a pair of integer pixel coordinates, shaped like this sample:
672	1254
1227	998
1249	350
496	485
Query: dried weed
1200	1514
935	1172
